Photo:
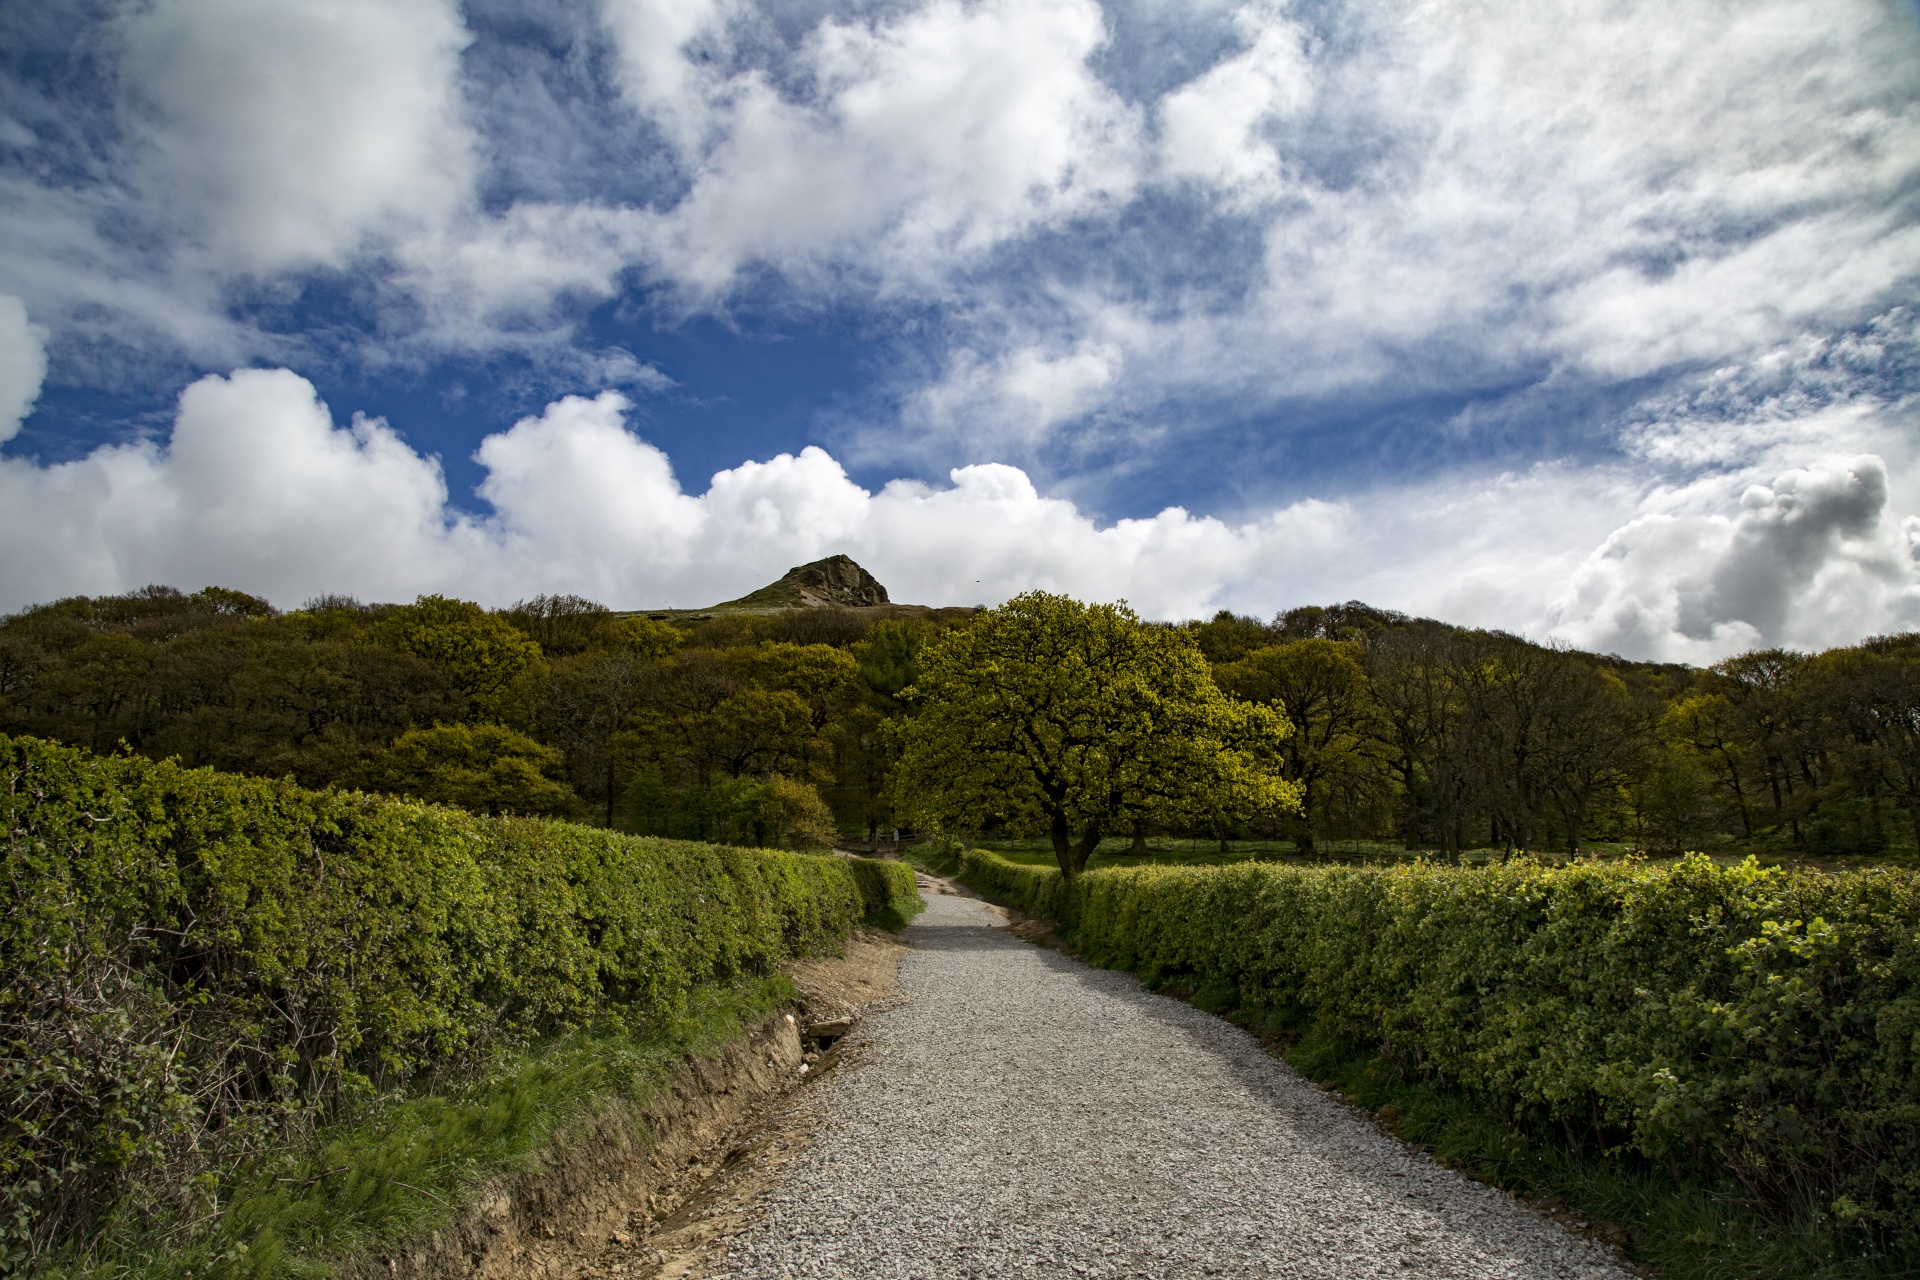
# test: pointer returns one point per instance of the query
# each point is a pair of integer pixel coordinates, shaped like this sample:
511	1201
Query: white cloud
1809	560
239	146
1015	401
1427	197
1212	129
925	137
289	134
256	485
1449	196
23	365
668	67
259	489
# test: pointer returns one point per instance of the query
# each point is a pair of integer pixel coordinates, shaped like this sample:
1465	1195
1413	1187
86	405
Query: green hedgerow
1757	1023
200	965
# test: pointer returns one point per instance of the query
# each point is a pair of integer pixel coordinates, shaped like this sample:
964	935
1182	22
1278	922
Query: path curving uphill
1022	1114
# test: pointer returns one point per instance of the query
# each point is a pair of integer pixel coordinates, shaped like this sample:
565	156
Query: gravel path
1021	1114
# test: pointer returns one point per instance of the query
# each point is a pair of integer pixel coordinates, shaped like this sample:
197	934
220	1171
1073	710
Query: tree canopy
1436	737
1053	717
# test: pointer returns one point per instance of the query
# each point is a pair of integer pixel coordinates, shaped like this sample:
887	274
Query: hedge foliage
198	963
1760	1022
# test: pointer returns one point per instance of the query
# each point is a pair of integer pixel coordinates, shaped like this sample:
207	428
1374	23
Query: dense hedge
198	962
1756	1021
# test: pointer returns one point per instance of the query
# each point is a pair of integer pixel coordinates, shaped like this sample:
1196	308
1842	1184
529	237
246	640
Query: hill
836	582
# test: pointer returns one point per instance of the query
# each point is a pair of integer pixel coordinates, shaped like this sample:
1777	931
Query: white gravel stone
1022	1114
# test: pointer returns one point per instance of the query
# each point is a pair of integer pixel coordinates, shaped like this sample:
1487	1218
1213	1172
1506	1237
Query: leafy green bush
892	894
200	965
1760	1022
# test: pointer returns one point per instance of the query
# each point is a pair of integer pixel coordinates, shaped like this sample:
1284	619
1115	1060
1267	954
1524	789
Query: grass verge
404	1165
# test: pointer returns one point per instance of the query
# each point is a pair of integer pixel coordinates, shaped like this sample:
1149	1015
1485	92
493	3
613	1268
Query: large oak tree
1048	715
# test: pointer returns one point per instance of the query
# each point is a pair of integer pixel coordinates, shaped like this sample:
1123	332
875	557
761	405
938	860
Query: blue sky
1594	321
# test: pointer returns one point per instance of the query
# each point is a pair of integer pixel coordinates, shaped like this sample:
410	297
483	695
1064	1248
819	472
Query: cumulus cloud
259	489
286	135
256	485
1807	560
23	365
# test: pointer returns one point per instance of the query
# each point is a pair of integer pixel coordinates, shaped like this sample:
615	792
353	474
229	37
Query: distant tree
589	698
1075	720
1773	720
799	818
1594	738
889	656
1869	697
774	811
484	655
561	625
1672	802
1418	674
1705	725
1350	621
1320	687
487	768
1228	637
258	698
700	716
825	678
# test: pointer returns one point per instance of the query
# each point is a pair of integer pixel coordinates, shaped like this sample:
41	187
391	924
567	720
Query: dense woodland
780	727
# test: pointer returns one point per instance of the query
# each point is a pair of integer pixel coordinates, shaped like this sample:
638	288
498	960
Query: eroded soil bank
643	1191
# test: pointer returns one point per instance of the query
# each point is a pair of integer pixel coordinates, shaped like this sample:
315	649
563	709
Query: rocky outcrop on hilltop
834	583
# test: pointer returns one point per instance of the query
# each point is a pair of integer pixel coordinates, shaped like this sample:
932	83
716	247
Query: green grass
1682	1229
405	1165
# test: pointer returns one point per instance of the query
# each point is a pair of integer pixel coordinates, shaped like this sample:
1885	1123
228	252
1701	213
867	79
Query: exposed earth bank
632	1190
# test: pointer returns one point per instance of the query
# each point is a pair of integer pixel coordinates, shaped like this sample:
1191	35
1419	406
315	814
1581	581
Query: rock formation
834	583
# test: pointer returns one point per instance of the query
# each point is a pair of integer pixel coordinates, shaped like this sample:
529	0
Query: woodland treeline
1452	739
781	727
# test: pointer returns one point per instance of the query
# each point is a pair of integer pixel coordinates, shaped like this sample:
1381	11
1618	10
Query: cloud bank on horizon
1594	321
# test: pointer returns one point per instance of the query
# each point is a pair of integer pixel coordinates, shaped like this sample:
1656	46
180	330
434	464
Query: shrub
892	894
1760	1022
201	964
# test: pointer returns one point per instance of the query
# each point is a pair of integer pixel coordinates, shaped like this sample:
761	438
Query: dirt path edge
623	1163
